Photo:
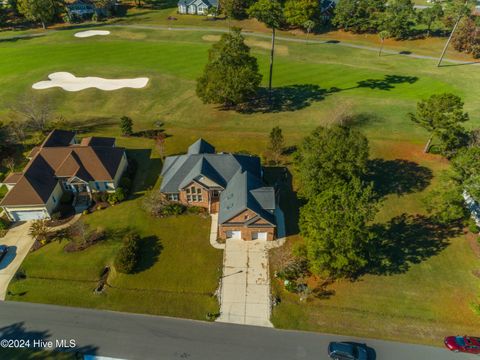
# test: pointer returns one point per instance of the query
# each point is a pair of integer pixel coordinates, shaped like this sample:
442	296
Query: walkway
19	244
214	233
245	292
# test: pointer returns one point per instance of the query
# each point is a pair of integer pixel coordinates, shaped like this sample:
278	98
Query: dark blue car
3	251
347	351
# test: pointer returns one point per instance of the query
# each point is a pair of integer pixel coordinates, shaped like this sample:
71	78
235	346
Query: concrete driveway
245	292
19	243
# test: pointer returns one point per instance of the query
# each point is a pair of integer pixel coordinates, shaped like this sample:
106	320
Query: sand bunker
89	33
279	49
70	82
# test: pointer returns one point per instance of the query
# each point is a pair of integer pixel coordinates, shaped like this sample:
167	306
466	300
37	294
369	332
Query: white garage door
234	234
259	236
28	215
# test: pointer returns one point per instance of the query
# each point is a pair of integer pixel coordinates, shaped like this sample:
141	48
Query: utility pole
450	37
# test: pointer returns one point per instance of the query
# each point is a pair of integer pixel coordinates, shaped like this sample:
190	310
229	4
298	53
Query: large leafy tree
399	18
231	75
440	114
430	15
359	15
467	36
43	11
235	9
467	170
269	12
298	12
329	156
334	226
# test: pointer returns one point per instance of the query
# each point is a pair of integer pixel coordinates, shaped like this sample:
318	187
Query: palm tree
39	230
309	25
384	34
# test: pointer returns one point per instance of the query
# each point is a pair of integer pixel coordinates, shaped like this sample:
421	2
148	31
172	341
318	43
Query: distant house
59	165
85	9
196	7
223	183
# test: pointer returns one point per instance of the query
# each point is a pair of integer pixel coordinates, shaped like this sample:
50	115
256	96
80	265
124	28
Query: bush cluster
129	254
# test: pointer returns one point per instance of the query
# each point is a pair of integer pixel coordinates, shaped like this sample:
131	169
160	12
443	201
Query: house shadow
9	257
398	176
148	169
406	240
87	126
286	98
281	179
150	250
18	331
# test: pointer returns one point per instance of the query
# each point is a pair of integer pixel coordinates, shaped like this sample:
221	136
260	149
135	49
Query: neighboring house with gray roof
223	183
196	7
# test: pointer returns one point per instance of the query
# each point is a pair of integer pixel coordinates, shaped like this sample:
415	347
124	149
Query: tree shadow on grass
286	98
148	169
406	240
387	83
398	176
150	250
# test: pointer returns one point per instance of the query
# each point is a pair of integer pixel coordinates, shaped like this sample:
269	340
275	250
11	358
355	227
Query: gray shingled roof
178	171
243	192
201	147
239	175
206	2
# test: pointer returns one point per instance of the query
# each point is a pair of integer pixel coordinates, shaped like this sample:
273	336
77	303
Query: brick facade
238	224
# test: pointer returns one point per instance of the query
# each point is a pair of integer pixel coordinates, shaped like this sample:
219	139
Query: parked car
3	251
465	344
347	351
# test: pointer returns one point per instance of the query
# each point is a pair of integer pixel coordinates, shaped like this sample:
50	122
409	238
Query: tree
430	15
126	125
39	230
129	254
439	113
328	156
43	11
9	163
309	25
235	9
445	202
334	226
231	75
384	34
399	18
466	36
277	143
466	170
298	12
270	13
359	15
35	111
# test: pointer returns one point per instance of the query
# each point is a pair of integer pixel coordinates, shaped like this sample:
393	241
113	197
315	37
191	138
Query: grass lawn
177	276
312	82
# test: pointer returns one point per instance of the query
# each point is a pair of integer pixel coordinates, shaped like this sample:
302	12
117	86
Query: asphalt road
130	336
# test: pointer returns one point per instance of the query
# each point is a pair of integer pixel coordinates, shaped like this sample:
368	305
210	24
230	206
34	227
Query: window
189	198
54	200
173	197
199	198
199	191
194	198
188	190
97	185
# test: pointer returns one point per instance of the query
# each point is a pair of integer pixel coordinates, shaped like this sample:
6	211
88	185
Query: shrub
39	230
129	254
472	226
197	210
173	209
3	224
56	215
117	196
85	212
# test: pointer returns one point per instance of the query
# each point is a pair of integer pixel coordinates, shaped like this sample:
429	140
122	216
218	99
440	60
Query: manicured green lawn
177	276
429	299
